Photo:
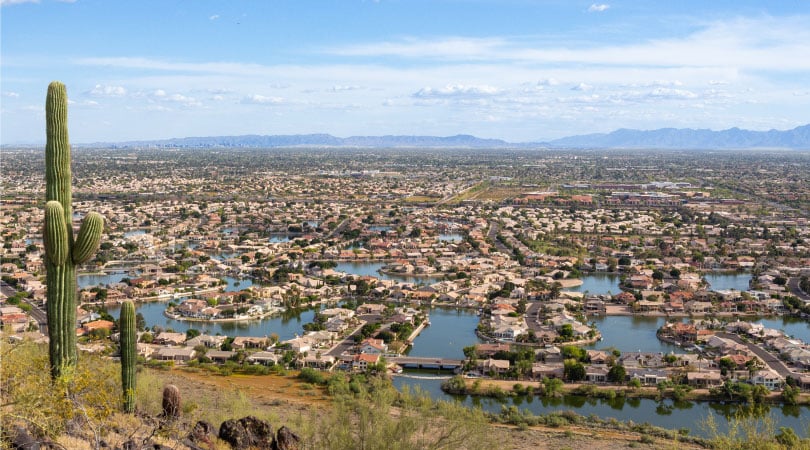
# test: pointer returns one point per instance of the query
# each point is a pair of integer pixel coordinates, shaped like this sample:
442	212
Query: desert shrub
83	399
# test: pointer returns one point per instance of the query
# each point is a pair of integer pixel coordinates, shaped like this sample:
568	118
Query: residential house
493	366
596	373
174	354
540	370
767	378
244	342
219	356
168	338
265	358
318	361
206	340
704	379
373	346
647	377
363	361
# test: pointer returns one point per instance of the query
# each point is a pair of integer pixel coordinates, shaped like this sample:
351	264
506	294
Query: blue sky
519	70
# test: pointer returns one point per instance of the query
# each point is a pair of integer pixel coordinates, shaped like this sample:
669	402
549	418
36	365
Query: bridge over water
411	362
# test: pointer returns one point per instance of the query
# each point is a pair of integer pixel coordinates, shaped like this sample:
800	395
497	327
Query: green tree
573	370
617	374
552	387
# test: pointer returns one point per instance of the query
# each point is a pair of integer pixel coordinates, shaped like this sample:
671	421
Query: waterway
449	332
599	284
632	334
721	281
667	414
87	281
286	325
373	269
452	329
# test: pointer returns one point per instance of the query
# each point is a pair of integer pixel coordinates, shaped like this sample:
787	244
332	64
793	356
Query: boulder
247	432
286	440
202	433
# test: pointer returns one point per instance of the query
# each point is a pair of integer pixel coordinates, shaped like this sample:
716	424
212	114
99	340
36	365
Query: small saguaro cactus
126	324
63	252
171	402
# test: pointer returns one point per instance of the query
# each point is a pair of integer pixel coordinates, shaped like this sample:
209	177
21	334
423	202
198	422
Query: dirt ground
286	395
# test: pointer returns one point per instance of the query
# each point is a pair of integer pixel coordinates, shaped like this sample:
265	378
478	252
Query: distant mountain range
687	138
665	138
323	140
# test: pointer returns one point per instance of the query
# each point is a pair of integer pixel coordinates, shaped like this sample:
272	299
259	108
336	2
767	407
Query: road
793	285
348	343
492	235
38	314
768	358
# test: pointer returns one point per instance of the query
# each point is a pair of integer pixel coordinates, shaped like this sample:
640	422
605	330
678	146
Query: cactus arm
126	325
89	238
56	233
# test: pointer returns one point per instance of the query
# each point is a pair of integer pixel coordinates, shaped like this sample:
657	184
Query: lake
599	283
666	414
87	281
452	329
286	325
632	334
721	281
372	269
449	332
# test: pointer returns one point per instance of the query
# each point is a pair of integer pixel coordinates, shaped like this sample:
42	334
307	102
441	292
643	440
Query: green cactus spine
126	324
62	251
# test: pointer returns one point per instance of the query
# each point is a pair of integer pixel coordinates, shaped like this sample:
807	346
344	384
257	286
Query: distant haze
667	138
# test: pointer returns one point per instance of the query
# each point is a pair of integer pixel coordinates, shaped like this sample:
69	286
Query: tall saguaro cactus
63	252
126	324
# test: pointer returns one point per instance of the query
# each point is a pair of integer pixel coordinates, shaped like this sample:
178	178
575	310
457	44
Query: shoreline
232	319
495	388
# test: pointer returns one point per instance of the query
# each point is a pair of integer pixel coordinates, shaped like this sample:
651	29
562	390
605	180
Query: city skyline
518	70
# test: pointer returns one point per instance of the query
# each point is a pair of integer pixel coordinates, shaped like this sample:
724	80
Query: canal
667	413
453	329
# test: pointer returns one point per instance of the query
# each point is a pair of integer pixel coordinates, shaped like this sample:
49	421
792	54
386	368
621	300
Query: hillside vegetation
83	410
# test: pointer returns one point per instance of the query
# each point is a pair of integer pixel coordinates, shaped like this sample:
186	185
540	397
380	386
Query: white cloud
457	90
672	93
598	8
107	91
769	44
262	100
582	87
457	47
214	17
344	88
548	82
11	94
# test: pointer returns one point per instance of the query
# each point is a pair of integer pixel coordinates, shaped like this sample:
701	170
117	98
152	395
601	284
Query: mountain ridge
663	138
688	138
